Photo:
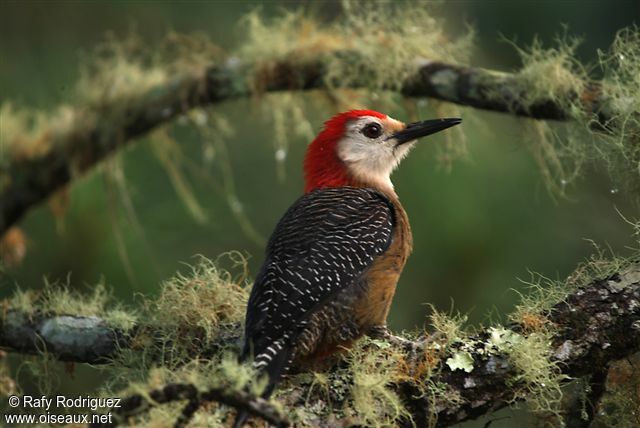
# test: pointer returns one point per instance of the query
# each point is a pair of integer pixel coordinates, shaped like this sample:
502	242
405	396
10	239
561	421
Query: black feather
324	243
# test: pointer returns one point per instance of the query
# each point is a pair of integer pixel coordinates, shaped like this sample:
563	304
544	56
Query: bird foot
414	348
382	332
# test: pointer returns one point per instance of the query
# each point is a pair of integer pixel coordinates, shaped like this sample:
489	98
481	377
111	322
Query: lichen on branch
188	334
127	90
604	111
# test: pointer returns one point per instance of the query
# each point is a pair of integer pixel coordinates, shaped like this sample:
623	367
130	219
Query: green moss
448	328
544	293
551	73
221	371
530	352
392	38
119	74
562	149
22	300
60	299
216	132
186	319
555	74
23	136
197	372
621	89
192	308
118	71
455	142
374	370
286	111
541	376
375	46
171	157
122	70
206	297
385	42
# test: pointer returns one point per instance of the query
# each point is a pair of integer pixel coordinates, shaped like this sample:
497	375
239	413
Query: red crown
322	167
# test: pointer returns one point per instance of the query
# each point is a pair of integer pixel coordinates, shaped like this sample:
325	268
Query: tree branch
68	337
97	131
256	406
593	326
85	339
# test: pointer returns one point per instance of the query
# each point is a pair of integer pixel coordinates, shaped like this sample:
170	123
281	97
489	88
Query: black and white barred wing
322	244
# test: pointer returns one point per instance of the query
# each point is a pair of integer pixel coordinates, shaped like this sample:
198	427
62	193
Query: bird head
362	148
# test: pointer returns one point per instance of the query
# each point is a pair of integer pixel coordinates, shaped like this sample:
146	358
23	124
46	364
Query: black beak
416	130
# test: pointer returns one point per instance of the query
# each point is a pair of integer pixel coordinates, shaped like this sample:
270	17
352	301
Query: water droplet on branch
281	155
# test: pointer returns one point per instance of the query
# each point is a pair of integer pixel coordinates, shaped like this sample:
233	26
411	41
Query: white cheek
370	162
367	155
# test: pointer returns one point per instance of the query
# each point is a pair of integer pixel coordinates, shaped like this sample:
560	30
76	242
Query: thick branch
86	339
98	131
70	338
595	325
255	406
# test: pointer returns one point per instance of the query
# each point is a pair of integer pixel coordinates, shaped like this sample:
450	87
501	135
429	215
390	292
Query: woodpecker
334	259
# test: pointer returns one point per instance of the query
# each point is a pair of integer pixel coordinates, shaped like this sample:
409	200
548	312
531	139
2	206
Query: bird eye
372	130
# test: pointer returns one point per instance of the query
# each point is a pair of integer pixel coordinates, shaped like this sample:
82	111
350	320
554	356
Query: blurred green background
478	228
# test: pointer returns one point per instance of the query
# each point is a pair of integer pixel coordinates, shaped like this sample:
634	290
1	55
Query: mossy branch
70	338
255	406
594	325
90	339
89	134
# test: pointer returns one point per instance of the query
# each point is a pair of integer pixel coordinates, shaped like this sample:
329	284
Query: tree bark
98	131
594	325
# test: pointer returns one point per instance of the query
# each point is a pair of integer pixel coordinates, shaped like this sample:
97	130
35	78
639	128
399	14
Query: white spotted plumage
323	244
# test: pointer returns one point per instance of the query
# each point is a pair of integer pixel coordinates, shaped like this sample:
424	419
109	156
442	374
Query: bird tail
241	418
274	369
243	415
